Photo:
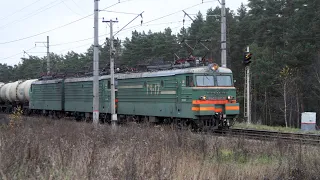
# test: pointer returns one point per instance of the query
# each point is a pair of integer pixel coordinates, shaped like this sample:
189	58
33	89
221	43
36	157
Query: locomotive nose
214	102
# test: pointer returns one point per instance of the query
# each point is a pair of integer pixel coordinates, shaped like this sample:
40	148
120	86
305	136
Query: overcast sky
22	23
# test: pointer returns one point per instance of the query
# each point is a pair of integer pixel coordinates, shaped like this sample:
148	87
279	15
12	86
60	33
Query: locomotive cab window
224	80
189	81
205	81
115	83
109	84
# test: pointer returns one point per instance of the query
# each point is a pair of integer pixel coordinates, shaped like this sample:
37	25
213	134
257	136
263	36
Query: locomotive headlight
229	97
203	97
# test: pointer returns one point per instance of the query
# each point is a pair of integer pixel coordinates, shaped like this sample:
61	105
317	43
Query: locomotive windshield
224	81
205	81
219	80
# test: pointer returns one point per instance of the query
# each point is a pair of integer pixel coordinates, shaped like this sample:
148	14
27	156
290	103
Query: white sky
44	15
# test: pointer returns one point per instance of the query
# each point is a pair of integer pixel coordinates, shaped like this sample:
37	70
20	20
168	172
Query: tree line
282	35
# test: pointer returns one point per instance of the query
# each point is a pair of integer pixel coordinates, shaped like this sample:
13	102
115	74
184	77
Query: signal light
247	58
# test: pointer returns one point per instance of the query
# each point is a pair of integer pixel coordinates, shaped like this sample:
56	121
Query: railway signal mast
247	99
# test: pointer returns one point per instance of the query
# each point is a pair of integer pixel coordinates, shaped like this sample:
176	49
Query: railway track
310	139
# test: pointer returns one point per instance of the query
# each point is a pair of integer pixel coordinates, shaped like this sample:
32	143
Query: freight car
198	97
15	94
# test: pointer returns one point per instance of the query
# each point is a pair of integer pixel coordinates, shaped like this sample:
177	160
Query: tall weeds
58	149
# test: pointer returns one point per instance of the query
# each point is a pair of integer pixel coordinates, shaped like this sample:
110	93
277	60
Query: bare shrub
58	149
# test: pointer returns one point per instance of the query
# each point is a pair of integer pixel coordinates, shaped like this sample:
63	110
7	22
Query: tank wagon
15	94
198	97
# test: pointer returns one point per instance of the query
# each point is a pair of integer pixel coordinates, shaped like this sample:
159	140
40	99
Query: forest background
283	37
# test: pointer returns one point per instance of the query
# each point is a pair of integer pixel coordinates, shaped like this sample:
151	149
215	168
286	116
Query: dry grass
56	149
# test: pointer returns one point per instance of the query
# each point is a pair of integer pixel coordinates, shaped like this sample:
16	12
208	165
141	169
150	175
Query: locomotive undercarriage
217	121
203	123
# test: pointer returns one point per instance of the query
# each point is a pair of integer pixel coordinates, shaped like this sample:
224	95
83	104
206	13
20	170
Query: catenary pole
223	35
113	99
96	65
46	44
48	57
112	81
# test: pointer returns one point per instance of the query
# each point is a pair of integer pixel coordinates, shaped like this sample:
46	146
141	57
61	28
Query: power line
70	8
177	12
100	10
68	49
115	4
172	22
104	8
121	12
125	29
130	22
33	13
169	14
138	25
71	42
15	54
7	42
77	5
87	44
38	52
19	10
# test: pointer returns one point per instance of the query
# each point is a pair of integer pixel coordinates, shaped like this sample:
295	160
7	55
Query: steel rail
310	139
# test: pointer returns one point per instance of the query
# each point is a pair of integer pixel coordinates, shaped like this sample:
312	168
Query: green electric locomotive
197	97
